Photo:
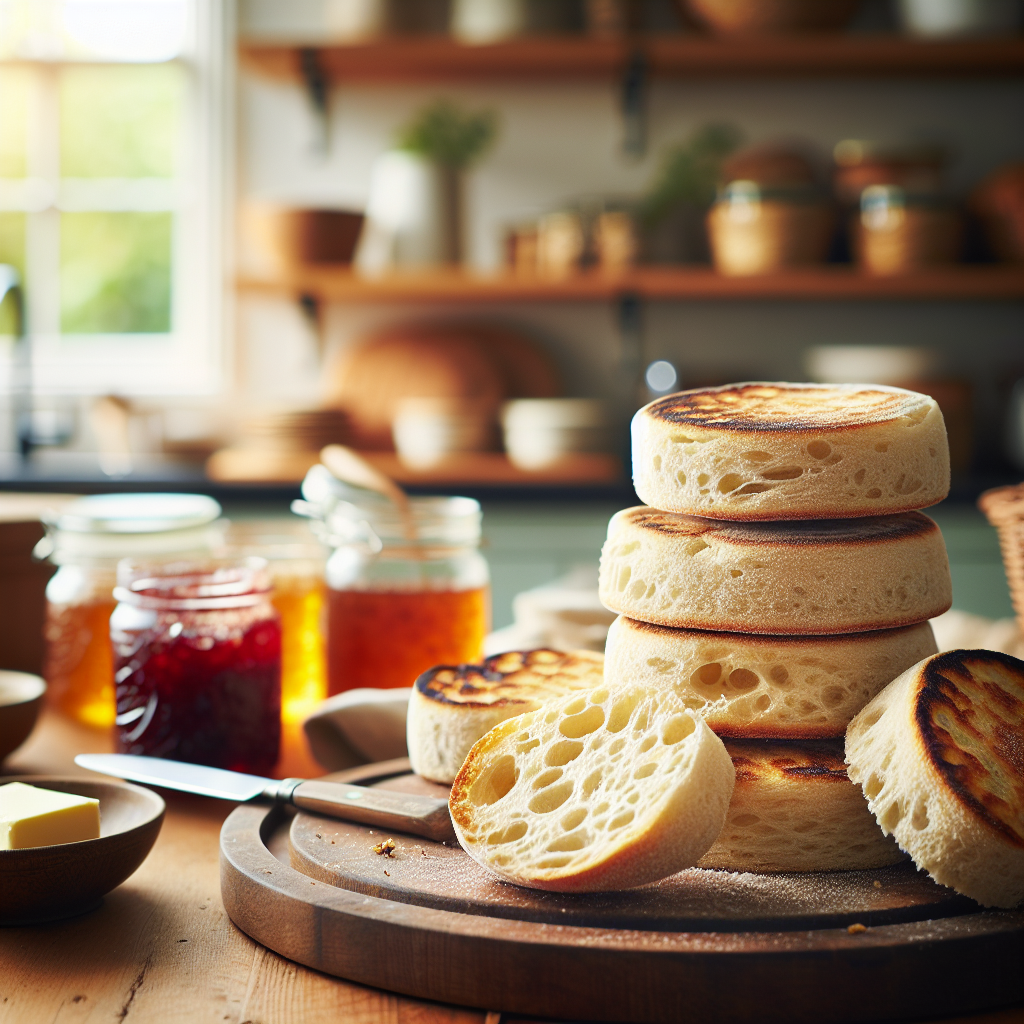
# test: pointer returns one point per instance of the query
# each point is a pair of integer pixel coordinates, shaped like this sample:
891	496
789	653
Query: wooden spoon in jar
351	468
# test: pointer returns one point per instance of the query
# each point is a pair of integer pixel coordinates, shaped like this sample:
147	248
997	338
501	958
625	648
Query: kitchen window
113	131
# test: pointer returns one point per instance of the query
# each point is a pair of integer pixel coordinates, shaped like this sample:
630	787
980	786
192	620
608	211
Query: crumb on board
385	848
386	872
856	929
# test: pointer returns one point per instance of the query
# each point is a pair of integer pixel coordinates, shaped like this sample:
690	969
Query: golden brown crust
504	679
815	532
970	714
764	761
767	639
793	408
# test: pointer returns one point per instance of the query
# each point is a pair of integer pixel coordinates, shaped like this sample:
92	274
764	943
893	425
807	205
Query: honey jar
402	596
85	541
295	561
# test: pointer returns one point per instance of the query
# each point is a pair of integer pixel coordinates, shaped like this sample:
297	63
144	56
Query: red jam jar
197	663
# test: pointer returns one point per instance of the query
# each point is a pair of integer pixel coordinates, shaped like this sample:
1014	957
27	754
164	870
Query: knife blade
403	812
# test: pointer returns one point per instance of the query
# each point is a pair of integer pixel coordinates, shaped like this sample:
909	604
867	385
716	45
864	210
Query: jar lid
112	526
745	191
136	513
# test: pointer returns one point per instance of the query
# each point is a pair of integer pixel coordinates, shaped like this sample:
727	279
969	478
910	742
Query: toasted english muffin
791	451
607	789
452	706
827	576
940	756
794	809
765	686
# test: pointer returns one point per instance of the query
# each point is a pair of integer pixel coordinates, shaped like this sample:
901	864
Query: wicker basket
1005	510
766	16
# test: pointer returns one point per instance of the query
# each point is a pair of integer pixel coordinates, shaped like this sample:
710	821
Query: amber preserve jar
401	597
197	659
296	563
86	541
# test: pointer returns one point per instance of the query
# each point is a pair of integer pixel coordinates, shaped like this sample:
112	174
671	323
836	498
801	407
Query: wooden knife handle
400	812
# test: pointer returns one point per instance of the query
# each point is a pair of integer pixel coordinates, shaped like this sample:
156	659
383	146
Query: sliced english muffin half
795	809
452	706
808	577
602	790
940	756
791	451
777	687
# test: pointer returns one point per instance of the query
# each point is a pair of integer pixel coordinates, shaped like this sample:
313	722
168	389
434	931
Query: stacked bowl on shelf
779	577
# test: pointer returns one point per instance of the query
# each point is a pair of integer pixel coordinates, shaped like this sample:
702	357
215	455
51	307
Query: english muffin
940	755
795	809
452	706
765	686
607	789
791	451
805	577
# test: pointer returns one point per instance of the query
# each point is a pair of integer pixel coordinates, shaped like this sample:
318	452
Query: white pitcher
412	216
488	21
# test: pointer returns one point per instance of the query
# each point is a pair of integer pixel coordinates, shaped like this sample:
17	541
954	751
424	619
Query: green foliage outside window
120	121
115	273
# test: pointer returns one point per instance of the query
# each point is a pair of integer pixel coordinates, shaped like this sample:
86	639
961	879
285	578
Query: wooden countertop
162	950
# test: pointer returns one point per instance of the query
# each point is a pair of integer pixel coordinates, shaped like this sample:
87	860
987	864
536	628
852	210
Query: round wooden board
709	946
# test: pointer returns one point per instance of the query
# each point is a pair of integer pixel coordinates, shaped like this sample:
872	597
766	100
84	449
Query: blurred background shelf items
469	238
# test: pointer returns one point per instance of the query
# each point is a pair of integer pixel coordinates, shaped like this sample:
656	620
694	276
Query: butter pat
30	816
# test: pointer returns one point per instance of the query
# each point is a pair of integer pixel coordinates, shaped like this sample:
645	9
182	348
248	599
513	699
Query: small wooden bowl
48	883
21	697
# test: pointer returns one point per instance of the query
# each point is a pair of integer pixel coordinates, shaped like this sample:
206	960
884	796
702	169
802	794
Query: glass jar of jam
402	596
197	663
85	541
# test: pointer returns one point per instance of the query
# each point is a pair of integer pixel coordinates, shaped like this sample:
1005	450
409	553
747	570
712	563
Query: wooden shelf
965	282
441	59
477	469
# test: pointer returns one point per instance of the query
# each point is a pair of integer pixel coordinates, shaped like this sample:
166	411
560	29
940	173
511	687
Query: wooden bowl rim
23	687
155	802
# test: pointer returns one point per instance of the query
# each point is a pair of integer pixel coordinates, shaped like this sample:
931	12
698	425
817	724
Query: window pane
12	250
120	121
13	110
129	30
115	273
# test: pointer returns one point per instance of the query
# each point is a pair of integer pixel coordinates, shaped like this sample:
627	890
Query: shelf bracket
634	105
312	310
317	86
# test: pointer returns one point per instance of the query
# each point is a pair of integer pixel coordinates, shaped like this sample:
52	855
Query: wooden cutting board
702	945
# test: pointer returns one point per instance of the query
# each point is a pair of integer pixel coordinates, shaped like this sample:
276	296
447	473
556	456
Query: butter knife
401	812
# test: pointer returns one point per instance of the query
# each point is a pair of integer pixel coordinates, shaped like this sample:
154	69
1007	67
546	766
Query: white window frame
194	358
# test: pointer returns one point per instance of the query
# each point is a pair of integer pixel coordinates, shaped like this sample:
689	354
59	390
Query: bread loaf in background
787	578
765	686
766	451
482	363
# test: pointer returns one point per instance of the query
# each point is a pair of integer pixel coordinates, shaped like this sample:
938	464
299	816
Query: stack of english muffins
780	575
